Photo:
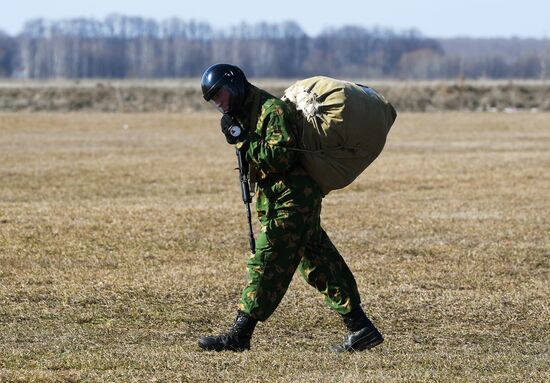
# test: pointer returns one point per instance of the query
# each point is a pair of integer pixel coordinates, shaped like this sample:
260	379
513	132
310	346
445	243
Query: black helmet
226	76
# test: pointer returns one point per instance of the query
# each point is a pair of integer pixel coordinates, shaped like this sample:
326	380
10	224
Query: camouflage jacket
268	147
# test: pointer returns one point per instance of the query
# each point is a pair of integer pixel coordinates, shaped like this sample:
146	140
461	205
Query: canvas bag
341	128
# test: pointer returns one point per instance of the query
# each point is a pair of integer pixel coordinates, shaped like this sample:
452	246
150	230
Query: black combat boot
362	333
236	339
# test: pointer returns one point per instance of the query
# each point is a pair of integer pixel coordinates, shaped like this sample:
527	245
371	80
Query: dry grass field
183	95
123	239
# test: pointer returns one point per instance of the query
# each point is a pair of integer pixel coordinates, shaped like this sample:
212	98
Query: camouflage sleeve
267	147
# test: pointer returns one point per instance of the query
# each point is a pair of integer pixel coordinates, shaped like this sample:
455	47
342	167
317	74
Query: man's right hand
232	130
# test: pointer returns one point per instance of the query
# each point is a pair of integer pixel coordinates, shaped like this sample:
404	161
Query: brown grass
123	239
184	95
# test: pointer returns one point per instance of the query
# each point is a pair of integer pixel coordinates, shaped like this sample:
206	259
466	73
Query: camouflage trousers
291	238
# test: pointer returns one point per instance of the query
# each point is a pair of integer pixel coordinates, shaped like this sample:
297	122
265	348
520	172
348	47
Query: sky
433	18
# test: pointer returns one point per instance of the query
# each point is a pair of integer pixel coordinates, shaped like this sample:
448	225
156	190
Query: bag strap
358	153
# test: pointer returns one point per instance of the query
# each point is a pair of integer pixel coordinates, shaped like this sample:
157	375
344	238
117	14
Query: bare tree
7	53
121	46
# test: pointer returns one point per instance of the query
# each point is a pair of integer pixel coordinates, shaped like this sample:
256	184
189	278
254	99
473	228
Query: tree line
134	47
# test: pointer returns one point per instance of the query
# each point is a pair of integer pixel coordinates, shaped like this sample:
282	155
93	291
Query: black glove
232	130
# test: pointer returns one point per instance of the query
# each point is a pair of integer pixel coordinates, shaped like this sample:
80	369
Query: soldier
288	203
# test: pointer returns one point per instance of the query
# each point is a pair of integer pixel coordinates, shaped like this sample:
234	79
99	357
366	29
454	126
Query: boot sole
366	343
372	339
218	348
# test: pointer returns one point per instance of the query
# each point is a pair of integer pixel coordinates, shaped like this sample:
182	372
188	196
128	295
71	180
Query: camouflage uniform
288	203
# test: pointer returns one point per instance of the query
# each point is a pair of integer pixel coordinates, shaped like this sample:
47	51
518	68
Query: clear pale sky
434	18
